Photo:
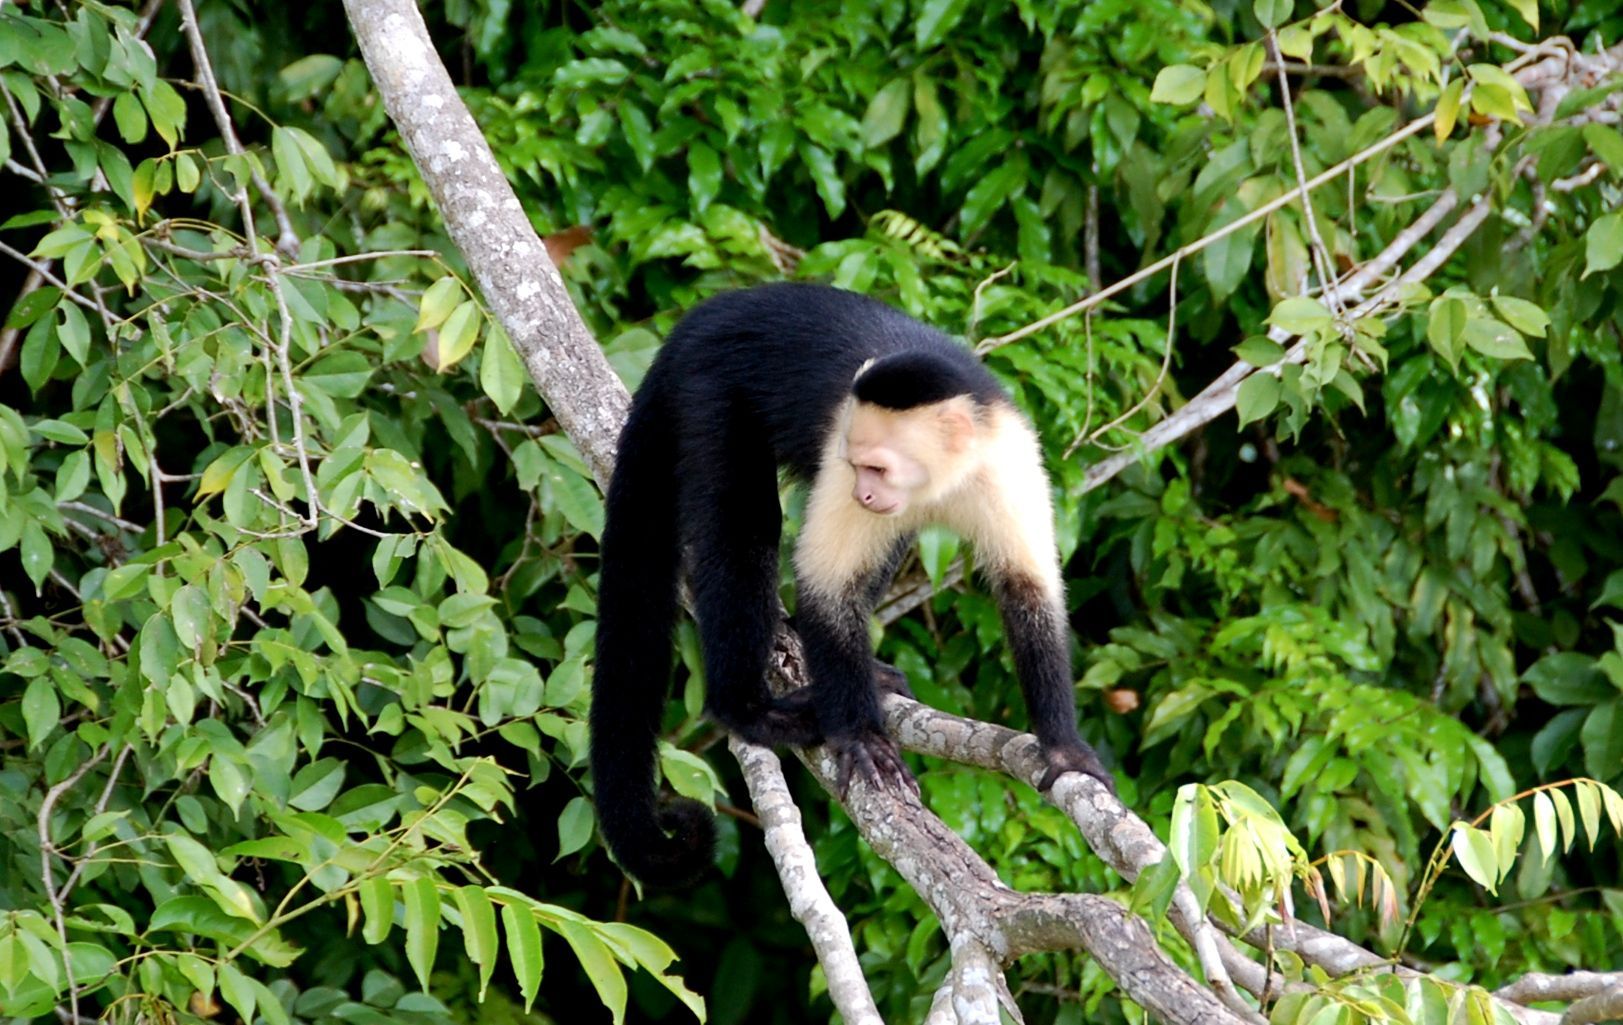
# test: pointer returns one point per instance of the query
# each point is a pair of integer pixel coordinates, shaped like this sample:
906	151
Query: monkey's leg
834	632
1034	621
886	677
732	521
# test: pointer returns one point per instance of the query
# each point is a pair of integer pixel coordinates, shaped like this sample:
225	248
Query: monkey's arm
1012	530
844	559
834	636
1034	622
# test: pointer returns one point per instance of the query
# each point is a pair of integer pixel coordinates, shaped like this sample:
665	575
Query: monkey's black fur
748	381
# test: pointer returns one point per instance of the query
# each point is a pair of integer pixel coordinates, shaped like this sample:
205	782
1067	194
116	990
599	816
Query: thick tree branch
507	258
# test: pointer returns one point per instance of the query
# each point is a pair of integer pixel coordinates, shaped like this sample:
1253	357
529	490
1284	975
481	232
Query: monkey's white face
901	457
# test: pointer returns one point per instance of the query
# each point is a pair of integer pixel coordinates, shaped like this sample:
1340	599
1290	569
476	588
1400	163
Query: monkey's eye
880	470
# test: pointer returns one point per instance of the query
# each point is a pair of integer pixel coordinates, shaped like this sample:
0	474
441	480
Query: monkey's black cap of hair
907	380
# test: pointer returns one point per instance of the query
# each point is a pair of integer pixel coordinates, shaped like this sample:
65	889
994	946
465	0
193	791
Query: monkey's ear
956	418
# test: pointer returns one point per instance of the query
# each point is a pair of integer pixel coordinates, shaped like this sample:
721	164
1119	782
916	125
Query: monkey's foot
1080	758
873	757
891	680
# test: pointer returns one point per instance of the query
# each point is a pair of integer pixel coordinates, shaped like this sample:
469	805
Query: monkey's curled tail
640	561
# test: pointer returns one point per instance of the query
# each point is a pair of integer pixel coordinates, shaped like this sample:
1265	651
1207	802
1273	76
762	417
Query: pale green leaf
523	950
1474	850
422	905
1257	397
478	931
377	906
1179	84
438	300
461	330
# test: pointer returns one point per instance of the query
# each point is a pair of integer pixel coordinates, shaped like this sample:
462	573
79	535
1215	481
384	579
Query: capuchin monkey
894	426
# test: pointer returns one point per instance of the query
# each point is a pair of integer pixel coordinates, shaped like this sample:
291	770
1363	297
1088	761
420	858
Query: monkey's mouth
887	510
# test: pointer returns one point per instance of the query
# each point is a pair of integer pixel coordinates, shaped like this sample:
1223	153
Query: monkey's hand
872	756
1080	758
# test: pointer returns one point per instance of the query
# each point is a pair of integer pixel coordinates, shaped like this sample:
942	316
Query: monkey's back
780	359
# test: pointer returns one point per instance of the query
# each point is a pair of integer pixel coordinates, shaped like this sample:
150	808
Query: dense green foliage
298	578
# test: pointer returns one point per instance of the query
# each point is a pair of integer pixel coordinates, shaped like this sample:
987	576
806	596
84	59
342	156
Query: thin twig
47	851
44	271
288	240
1166	361
1088	303
1321	252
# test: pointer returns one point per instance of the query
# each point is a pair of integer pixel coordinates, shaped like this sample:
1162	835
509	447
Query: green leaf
1445	328
501	374
1473	848
187	176
40	353
422	902
317	158
1296	41
167	110
599	964
1544	823
1257	397
191	615
439	299
42	710
1179	84
574	496
292	170
1602	736
130	117
936	19
1495	338
1260	351
704	175
343	374
574	826
887	113
316	784
461	330
1611	592
1192	838
1273	13
1606	143
1567	678
931	131
74	333
1526	317
218	474
987	196
523	950
33	306
1528	9
1603	244
37	553
237	990
228	781
825	176
1300	315
308	76
1448	109
1587	795
479	931
377	907
193	858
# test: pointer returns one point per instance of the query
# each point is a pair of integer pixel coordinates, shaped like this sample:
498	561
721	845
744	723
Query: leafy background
251	740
